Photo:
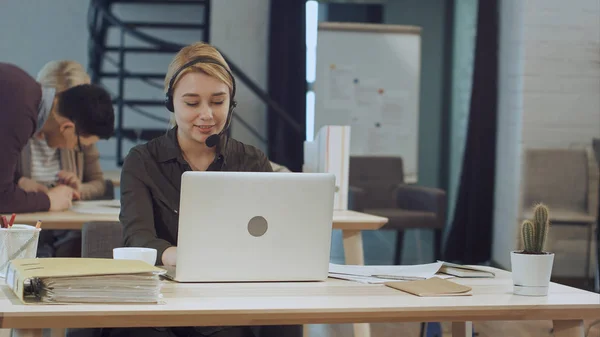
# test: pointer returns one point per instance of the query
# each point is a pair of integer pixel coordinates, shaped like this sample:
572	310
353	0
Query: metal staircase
133	44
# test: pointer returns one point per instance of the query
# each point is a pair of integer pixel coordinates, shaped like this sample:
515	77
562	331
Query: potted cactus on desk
532	266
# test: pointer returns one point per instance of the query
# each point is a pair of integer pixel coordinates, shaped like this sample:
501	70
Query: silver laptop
254	226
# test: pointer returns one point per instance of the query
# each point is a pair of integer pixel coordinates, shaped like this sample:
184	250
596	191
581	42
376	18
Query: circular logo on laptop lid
257	226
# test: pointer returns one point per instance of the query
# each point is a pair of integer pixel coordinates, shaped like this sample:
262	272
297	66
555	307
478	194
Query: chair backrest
99	238
559	178
378	177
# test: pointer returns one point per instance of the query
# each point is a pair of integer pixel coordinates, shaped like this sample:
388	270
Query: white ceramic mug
147	255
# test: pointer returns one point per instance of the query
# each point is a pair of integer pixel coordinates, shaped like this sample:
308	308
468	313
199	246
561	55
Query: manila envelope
432	287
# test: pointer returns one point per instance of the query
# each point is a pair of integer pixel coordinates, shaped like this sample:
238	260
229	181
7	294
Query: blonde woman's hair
187	54
62	75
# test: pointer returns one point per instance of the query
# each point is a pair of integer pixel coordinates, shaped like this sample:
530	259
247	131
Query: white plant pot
531	273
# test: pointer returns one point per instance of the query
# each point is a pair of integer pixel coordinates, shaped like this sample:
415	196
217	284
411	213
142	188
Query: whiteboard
367	77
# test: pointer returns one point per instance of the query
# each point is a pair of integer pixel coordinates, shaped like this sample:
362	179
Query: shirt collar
45	106
171	149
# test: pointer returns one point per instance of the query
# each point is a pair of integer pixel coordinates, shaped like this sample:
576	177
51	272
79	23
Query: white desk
334	301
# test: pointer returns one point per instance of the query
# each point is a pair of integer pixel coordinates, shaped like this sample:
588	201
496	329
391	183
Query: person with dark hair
71	119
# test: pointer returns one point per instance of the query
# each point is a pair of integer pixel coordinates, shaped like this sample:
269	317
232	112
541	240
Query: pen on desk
12	220
38	224
398	277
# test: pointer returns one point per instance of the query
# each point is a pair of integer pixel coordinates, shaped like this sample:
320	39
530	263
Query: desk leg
27	333
462	329
354	254
353	247
568	328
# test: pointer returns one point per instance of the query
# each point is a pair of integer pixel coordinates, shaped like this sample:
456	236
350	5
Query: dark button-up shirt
151	184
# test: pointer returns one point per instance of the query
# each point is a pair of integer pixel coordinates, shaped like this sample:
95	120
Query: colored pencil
2	225
12	220
38	224
4	222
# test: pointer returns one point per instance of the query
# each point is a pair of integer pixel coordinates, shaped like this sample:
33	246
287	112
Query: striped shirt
45	162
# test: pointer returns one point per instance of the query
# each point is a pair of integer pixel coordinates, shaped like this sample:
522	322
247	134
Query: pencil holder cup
17	242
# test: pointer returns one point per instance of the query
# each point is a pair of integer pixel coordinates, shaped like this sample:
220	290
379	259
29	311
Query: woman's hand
70	179
169	256
61	197
30	185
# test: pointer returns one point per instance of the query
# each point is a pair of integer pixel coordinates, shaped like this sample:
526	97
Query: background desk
114	176
333	301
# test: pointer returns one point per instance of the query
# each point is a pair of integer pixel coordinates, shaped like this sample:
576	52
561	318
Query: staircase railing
99	16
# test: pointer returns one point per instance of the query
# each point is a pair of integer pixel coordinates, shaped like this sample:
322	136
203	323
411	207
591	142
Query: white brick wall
561	94
549	96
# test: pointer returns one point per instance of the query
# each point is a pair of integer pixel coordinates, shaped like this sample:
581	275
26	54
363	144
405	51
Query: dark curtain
287	81
470	238
354	12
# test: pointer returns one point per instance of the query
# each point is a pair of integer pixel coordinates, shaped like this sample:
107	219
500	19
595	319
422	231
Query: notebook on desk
83	280
465	271
433	287
169	272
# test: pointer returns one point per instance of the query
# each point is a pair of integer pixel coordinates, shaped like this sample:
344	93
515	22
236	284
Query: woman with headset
200	92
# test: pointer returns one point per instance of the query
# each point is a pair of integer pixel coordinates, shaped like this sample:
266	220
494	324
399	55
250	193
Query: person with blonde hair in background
42	167
76	117
200	92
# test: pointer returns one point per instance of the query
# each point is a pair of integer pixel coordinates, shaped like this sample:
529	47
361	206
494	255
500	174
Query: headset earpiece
169	103
232	106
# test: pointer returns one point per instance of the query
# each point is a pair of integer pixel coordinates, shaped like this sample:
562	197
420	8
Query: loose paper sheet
367	93
375	274
385	140
97	207
395	108
339	86
366	110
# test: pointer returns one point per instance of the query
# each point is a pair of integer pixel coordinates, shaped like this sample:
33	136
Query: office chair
567	181
377	187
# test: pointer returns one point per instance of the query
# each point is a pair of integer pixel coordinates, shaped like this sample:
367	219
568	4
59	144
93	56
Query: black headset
232	102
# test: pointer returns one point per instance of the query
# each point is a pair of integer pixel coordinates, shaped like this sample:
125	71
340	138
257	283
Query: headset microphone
212	140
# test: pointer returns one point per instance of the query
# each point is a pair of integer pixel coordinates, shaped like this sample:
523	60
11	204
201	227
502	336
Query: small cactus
535	231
